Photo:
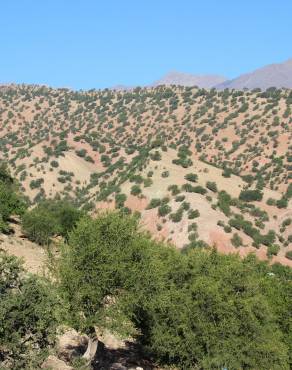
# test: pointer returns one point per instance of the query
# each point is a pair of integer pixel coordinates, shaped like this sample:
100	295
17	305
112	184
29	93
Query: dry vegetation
200	166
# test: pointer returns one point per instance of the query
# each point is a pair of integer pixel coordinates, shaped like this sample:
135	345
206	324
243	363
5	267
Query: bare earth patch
33	256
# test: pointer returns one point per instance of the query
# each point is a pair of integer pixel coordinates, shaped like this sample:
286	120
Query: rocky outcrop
54	363
71	344
102	350
91	350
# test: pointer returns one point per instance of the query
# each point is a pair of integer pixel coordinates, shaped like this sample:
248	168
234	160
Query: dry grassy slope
208	230
33	257
249	132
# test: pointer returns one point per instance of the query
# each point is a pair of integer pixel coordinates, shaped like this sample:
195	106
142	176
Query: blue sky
86	44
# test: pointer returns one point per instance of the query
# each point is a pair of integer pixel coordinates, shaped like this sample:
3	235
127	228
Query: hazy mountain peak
273	75
122	88
187	79
288	62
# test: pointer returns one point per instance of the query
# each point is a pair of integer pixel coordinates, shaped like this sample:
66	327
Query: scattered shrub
212	186
236	240
136	190
191	177
251	195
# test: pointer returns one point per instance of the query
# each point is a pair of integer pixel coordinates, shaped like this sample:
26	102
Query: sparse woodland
135	195
197	309
124	149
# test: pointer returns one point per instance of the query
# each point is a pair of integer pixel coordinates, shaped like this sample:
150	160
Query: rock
71	344
53	363
117	366
110	340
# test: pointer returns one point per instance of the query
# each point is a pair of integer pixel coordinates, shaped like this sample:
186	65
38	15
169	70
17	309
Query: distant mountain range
186	79
276	75
273	75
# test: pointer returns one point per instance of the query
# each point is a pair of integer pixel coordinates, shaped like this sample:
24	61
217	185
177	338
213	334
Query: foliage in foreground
199	309
11	202
50	218
28	316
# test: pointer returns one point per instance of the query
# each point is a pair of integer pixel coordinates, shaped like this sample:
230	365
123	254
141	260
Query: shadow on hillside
129	357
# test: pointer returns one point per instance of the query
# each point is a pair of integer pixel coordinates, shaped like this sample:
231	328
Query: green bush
193	213
180	198
194	189
199	189
174	189
81	153
136	190
165	174
54	164
147	182
163	210
29	316
39	225
191	177
200	309
287	222
155	202
227	172
177	216
185	206
120	199
282	203
137	179
273	250
50	218
236	240
36	184
212	186
271	202
224	202
227	229
11	202
184	162
250	195
156	156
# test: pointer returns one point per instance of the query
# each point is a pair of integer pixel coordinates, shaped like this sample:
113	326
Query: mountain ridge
277	75
187	79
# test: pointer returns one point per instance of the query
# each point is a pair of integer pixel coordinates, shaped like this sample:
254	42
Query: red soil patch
283	260
136	204
105	206
221	242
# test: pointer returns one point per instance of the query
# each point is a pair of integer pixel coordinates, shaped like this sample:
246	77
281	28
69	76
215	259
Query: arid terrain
200	166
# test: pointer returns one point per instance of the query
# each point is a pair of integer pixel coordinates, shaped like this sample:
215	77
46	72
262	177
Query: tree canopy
199	309
28	316
49	218
11	202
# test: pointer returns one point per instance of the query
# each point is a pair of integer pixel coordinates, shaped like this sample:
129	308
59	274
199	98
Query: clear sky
86	44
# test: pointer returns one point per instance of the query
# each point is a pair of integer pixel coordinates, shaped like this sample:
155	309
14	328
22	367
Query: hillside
182	157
